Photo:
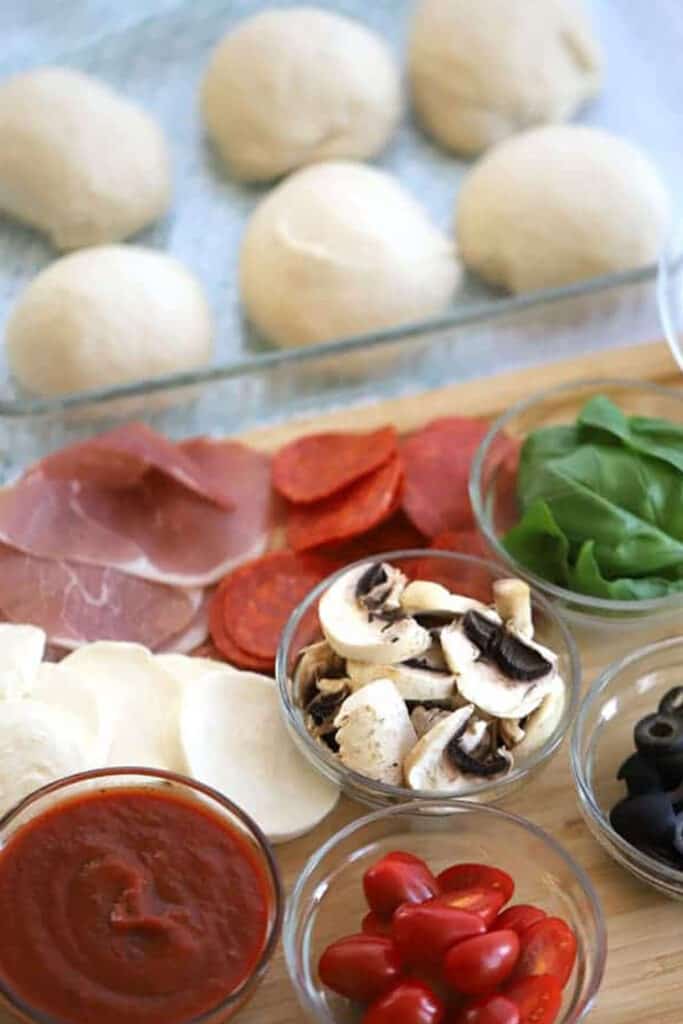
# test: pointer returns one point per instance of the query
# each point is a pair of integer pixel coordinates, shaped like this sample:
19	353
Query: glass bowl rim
344	775
572	597
265	851
438	809
670	262
655	868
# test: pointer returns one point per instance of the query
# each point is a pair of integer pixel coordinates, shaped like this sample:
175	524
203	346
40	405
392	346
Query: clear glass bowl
494	505
229	813
603	738
670	294
327	901
463	574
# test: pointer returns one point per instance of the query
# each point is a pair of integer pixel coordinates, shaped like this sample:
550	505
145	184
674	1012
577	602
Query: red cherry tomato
538	999
476	876
484	902
493	1009
360	967
410	1002
424	932
519	917
373	924
547	947
478	965
398	878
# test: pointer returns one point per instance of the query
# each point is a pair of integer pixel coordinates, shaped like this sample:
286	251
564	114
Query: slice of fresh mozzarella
141	699
39	743
21	652
73	692
189	670
234	739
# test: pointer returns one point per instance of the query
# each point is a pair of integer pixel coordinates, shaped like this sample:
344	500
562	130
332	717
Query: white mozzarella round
21	652
234	739
78	695
39	743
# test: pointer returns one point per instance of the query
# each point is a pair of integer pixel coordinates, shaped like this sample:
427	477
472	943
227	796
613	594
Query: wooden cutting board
644	979
643	983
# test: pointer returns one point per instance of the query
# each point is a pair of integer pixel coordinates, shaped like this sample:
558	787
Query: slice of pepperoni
437	463
316	467
355	511
395	534
258	598
226	646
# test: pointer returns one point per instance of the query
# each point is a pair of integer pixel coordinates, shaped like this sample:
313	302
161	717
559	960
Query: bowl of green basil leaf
580	490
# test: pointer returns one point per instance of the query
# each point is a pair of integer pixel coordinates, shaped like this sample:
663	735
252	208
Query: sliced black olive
670	768
648	819
518	661
640	776
372	577
678	835
481	631
672	702
659	735
325	705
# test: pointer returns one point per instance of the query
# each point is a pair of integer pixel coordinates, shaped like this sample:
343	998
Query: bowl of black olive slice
627	759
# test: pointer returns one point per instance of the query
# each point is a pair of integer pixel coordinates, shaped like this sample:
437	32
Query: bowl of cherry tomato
444	913
627	759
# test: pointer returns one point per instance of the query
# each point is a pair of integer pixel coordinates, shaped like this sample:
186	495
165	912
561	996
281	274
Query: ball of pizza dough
291	87
342	249
481	70
77	161
560	204
105	316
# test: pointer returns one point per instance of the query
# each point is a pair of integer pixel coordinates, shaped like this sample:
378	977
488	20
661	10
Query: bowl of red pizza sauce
134	895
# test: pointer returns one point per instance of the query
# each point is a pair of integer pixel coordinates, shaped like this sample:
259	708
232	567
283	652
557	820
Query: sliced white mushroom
459	652
541	724
424	718
314	662
422	597
512	598
235	740
427	766
484	685
412	683
21	652
374	732
511	732
39	743
379	633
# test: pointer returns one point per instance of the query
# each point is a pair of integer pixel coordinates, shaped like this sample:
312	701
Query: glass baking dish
159	60
478	342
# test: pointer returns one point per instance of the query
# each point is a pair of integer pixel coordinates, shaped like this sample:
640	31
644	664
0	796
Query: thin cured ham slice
78	604
157	529
195	634
123	456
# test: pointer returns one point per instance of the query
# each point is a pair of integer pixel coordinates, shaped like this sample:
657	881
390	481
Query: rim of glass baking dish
584	602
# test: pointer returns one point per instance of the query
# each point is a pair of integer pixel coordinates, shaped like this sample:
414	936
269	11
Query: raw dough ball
77	161
483	69
292	87
560	204
341	249
105	316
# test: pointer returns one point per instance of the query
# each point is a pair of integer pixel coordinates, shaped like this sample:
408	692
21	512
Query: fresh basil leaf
538	543
539	447
585	577
657	438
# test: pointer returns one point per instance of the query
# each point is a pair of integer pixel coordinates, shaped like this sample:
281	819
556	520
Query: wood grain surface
644	979
643	983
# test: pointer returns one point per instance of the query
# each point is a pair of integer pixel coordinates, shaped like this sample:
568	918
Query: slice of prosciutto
78	604
157	529
122	456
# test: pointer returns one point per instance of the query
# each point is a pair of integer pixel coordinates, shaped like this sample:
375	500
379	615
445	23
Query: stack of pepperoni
348	496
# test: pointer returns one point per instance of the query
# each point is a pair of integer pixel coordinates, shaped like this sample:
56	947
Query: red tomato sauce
129	905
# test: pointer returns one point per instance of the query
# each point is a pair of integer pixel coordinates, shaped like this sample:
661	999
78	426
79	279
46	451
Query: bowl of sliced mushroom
427	674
